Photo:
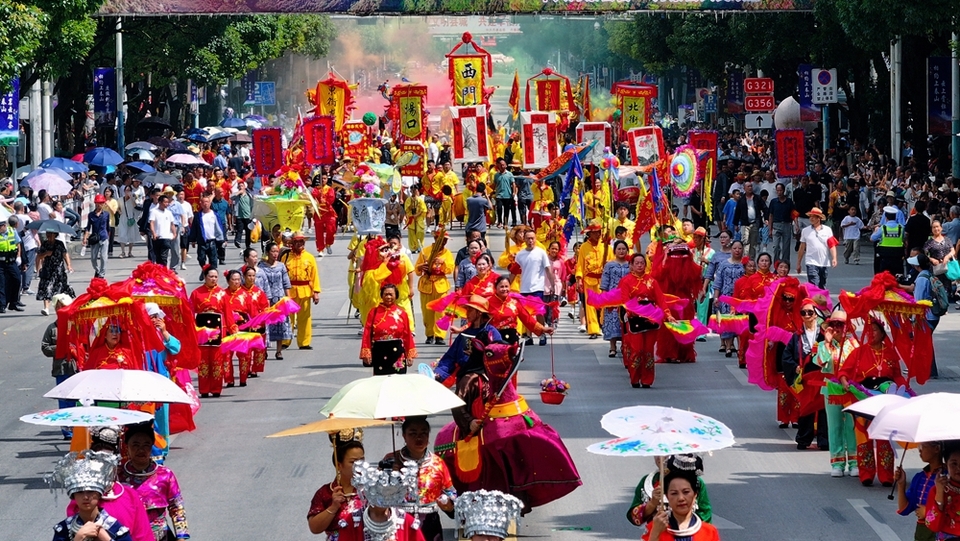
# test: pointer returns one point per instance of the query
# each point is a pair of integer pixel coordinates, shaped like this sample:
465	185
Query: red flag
587	115
515	95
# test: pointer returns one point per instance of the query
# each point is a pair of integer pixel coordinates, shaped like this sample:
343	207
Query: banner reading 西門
104	96
791	161
539	139
410	101
469	134
634	103
318	143
467	75
267	151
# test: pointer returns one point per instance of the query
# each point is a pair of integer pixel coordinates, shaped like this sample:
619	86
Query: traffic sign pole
825	113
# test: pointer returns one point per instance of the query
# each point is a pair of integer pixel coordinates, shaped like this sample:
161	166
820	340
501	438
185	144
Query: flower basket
553	390
552	397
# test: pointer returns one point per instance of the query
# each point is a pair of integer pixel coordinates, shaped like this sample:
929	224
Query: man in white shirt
45	207
28	248
818	249
186	217
534	270
162	229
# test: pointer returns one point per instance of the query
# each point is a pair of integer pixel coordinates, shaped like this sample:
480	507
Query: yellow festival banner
467	75
634	103
410	101
333	97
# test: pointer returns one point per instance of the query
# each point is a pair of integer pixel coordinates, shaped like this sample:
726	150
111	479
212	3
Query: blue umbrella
102	156
256	118
52	170
65	164
195	131
140	166
233	122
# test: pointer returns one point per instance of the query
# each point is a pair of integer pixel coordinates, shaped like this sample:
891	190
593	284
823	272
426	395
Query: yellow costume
356	250
542	196
304	282
433	284
446	211
450	179
374	280
590	262
627	223
507	259
551	231
416	211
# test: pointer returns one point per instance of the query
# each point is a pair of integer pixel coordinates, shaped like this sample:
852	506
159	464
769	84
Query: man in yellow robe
590	262
416	213
433	283
304	287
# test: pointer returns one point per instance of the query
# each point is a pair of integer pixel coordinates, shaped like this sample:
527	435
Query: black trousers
242	228
9	283
523	208
806	431
505	205
161	251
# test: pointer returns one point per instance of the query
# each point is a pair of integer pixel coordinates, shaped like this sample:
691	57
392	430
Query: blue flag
574	172
655	192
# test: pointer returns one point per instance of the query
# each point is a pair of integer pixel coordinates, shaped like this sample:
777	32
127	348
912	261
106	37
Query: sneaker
32	292
183	266
528	341
837	471
854	472
330	250
582	329
83	251
543	340
45	312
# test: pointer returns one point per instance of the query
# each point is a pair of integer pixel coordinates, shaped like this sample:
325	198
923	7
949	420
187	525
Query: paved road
237	484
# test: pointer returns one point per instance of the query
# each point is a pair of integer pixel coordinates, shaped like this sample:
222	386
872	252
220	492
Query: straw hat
478	303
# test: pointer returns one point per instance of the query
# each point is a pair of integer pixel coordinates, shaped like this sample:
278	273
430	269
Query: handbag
93	239
940	269
953	270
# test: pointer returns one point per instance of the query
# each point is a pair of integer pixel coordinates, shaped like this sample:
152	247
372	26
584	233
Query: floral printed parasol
659	431
87	416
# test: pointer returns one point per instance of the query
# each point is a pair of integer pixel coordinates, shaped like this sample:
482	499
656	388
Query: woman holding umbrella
336	505
649	495
680	521
53	263
388	343
874	365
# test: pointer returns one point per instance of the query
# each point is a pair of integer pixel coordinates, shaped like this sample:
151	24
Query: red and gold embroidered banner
417	166
267	151
552	92
355	139
548	94
470	134
411	120
466	73
539	139
318	141
634	103
332	97
791	160
646	146
706	140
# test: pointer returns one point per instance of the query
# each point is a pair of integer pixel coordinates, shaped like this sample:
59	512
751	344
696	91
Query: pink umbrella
78	158
185	159
50	182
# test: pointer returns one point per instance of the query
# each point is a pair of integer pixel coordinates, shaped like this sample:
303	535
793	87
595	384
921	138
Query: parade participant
551	228
496	441
784	314
648	496
241	307
484	283
415	211
943	501
356	252
873	365
798	363
702	255
554	294
85	481
258	303
434	486
590	262
680	276
486	515
112	349
273	279
433	265
388	343
193	191
209	304
156	362
508	311
382	491
390	266
680	521
325	219
622	219
818	249
742	289
53	264
121	501
727	273
335	506
508	258
462	355
304	286
613	272
832	353
156	484
914	500
63	367
466	268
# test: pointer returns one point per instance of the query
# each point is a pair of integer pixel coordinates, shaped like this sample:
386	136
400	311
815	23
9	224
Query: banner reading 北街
104	96
467	75
355	139
470	134
634	104
790	153
267	151
411	113
539	139
417	165
601	132
333	97
318	146
939	96
10	115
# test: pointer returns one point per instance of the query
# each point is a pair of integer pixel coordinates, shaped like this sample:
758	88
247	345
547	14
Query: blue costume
156	362
67	529
460	354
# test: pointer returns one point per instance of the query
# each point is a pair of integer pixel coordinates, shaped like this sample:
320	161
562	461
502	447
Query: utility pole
896	52
121	91
955	106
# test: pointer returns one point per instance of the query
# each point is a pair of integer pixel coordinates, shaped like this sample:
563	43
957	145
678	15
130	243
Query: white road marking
721	523
884	532
740	374
26	389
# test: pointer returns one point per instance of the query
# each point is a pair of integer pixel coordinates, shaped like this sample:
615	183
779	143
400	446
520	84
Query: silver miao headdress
486	512
79	472
386	488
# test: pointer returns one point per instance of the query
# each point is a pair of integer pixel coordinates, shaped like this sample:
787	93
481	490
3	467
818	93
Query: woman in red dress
507	312
640	334
208	303
240	306
742	290
258	303
484	283
388	344
111	350
874	365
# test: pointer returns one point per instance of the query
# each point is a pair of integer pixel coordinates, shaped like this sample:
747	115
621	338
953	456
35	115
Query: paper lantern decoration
369	119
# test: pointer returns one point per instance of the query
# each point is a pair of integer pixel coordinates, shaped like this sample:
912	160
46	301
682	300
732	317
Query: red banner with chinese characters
417	166
706	140
354	137
411	117
791	155
552	92
634	102
548	94
318	141
267	151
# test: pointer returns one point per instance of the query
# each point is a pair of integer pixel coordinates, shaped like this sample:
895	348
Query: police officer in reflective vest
889	241
9	271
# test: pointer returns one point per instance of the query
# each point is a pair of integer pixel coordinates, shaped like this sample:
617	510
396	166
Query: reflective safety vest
7	243
891	237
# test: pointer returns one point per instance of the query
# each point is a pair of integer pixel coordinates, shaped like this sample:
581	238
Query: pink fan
647	311
273	315
242	342
205	335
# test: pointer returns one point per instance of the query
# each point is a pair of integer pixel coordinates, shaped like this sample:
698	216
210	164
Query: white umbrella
661	431
929	417
119	386
185	159
397	395
869	407
51	183
87	416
